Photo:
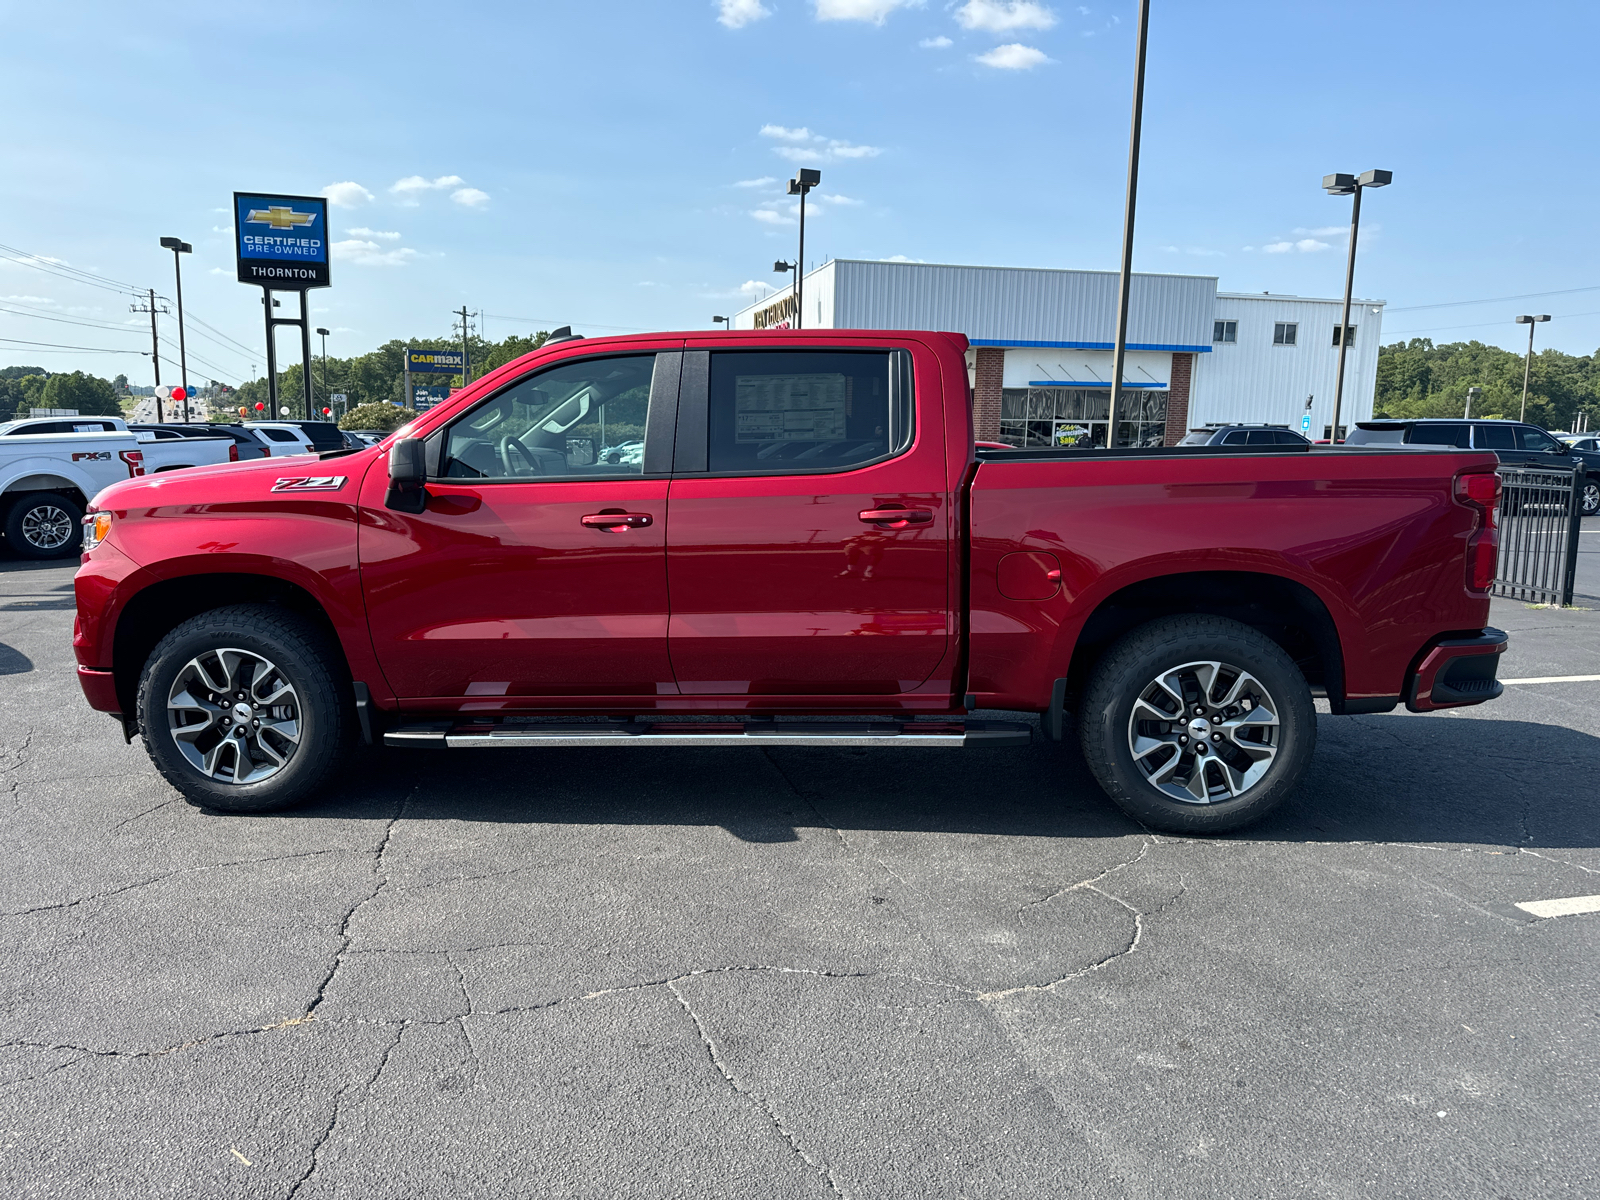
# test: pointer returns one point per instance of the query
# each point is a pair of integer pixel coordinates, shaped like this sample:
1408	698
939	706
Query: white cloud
754	287
846	150
375	233
764	181
902	258
799	154
218	271
836	198
1014	57
1002	16
347	194
369	254
876	11
768	216
470	197
936	43
1304	246
787	135
736	14
1323	231
32	299
1277	247
411	185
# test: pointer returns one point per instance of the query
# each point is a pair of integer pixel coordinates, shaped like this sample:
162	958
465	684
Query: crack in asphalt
14	769
338	1111
137	815
788	1136
1144	848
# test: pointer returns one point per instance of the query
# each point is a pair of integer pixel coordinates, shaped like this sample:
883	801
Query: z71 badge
310	483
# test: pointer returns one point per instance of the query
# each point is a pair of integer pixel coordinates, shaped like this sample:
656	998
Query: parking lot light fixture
1472	394
1352	186
726	322
323	333
179	246
804	180
1527	363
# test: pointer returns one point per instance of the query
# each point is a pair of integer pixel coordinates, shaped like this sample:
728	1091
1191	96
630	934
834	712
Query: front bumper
1457	672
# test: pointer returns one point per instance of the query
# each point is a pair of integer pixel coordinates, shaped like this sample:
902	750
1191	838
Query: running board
534	731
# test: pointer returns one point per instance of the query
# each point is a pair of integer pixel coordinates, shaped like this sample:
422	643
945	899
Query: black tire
1131	668
36	520
1591	495
323	709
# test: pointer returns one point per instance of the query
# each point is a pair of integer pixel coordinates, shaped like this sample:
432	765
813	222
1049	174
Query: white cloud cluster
764	181
1323	231
385	235
1014	57
364	253
1304	246
876	11
807	147
1002	16
936	43
736	14
411	185
347	194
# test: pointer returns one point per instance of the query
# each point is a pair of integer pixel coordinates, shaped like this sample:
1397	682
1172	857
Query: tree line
1420	379
24	388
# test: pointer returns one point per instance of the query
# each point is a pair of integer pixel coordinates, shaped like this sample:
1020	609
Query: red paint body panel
769	593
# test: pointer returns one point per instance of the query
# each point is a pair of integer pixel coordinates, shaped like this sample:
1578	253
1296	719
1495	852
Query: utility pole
1119	352
155	345
466	358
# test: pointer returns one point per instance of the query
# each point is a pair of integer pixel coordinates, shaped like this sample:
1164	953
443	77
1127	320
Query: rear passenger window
1263	437
1494	437
280	435
1441	435
1536	440
1237	438
800	411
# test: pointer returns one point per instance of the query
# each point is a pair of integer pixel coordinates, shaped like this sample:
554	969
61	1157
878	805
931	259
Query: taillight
1480	491
233	451
135	461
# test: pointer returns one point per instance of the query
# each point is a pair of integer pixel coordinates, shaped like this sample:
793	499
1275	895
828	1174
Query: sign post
282	244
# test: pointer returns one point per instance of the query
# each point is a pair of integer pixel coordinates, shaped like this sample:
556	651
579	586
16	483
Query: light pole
179	246
781	266
1349	185
804	180
1472	394
1125	278
727	322
1527	363
323	334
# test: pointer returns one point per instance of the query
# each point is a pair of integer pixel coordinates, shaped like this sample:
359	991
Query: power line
552	322
59	346
203	362
90	322
64	271
1494	300
1481	324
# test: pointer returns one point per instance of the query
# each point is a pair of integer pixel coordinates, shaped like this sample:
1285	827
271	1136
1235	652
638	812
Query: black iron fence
1540	509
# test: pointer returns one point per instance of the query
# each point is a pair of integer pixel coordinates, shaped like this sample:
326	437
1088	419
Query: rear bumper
1458	672
100	689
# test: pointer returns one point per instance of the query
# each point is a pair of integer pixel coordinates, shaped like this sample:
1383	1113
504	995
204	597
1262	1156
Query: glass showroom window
1039	418
1285	333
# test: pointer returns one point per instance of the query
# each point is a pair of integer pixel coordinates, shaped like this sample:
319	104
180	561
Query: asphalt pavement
801	972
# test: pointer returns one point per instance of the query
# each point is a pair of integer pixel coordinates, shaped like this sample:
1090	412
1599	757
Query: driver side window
579	420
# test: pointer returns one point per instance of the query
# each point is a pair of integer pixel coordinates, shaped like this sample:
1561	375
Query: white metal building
1042	345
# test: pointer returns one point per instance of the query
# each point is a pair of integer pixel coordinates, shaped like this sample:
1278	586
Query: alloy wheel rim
1204	732
47	527
234	716
1591	499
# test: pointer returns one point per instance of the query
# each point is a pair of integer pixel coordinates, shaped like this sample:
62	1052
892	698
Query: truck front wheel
1197	724
44	525
246	709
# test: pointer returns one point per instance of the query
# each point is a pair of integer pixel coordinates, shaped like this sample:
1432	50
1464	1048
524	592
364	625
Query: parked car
247	443
835	546
1241	434
48	477
1580	441
323	435
1511	441
282	437
168	450
369	437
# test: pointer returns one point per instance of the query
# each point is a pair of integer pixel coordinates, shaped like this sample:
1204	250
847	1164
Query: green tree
1420	379
89	394
387	417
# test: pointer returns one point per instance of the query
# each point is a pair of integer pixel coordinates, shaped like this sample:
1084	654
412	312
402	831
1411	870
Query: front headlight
95	527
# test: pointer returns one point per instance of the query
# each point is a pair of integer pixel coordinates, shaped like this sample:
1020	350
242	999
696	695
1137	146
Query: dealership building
1042	340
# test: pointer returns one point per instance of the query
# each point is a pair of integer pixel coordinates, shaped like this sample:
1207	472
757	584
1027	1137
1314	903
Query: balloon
260	407
179	394
243	411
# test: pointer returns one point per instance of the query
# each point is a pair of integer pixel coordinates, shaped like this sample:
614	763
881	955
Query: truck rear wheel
1197	724
246	709
44	525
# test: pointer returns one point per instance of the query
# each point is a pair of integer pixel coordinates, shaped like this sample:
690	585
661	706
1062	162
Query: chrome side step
536	731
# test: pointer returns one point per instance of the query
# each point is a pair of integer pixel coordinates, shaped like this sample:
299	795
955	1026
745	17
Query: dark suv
1241	434
1512	441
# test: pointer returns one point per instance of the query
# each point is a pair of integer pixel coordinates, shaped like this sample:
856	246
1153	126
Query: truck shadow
1393	778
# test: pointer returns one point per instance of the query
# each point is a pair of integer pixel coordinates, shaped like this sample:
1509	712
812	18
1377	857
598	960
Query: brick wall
1178	398
991	366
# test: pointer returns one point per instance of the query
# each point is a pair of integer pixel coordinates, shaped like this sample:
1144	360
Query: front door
538	568
809	548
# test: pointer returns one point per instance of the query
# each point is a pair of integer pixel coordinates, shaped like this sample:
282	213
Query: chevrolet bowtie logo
279	216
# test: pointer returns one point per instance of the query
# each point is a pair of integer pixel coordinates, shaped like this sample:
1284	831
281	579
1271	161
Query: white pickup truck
50	468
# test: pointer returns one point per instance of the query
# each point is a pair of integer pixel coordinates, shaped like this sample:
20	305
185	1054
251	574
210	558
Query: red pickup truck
780	539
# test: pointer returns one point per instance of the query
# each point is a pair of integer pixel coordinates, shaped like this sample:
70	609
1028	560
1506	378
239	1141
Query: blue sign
282	240
439	362
425	397
1305	424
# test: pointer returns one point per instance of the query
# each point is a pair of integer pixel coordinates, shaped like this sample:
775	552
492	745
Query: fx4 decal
91	455
310	483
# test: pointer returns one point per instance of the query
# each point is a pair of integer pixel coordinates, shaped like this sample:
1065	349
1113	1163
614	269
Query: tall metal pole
1527	366
1125	281
155	354
800	267
183	357
1344	321
305	353
466	362
272	357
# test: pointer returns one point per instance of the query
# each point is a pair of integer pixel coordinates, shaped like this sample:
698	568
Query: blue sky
621	165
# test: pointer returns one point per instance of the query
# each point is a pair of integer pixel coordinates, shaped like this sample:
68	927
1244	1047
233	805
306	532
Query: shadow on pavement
14	661
1374	779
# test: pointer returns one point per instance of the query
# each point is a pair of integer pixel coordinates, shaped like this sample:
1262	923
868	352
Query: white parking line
1570	907
1555	679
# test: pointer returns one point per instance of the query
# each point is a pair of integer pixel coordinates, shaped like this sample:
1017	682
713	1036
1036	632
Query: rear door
538	568
809	547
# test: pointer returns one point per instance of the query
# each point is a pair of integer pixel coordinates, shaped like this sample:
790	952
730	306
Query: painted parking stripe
1555	679
1570	907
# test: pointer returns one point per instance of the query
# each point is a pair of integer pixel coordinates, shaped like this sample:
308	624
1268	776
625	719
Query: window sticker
791	408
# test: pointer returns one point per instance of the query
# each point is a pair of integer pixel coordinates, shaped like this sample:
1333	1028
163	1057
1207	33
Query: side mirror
408	475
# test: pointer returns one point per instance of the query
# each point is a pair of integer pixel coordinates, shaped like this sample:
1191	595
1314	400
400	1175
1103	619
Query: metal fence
1540	509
